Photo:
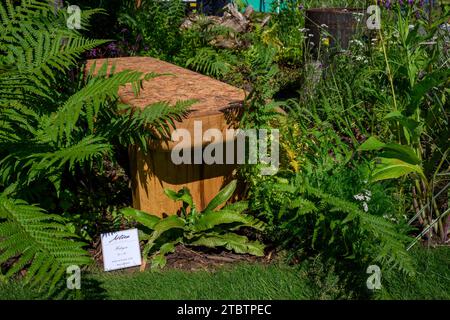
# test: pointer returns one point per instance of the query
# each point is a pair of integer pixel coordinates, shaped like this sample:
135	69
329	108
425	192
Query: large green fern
45	132
37	241
211	62
52	126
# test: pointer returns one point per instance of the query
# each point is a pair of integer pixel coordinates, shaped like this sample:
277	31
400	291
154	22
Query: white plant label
121	250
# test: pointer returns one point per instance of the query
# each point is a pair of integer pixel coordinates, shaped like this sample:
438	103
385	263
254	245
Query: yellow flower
326	41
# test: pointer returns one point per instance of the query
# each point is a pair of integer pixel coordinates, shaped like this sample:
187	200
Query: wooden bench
217	107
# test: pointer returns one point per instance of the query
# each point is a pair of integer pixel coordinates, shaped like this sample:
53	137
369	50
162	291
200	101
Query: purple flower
301	7
93	53
410	2
112	48
387	4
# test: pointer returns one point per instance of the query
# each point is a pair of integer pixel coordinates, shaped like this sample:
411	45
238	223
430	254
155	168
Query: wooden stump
218	107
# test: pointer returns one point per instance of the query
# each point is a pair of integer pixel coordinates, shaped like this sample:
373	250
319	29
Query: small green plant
208	228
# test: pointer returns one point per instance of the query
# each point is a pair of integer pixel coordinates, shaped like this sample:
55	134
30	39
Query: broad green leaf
371	144
222	196
142	217
183	195
158	261
231	241
171	222
390	168
237	206
167	247
163	225
171	194
391	150
211	219
401	152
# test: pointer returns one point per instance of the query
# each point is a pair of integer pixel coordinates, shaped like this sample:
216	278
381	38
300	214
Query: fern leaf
37	242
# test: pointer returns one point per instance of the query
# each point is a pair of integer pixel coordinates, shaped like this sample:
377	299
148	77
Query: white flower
357	42
364	197
310	35
359	197
365	207
323	25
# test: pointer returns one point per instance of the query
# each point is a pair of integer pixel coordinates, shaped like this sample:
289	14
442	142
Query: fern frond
391	246
210	62
38	243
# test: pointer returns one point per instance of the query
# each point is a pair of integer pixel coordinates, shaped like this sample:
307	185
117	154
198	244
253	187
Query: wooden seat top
212	96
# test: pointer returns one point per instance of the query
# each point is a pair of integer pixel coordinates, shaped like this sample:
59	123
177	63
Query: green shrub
209	228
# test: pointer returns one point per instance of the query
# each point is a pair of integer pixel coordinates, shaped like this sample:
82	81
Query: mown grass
432	280
253	281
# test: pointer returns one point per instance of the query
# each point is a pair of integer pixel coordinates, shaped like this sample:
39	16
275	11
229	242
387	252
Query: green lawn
431	282
247	281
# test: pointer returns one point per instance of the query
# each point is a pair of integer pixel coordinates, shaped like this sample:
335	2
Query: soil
189	260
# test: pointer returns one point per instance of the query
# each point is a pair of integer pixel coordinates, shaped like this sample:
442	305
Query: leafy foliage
58	124
155	23
415	115
38	241
309	215
210	62
210	228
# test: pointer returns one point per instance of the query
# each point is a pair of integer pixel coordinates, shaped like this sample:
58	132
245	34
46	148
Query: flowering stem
388	68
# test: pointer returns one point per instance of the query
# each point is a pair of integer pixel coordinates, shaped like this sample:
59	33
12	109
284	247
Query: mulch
187	259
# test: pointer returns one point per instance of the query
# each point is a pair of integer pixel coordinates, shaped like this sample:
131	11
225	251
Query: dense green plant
391	86
211	227
37	241
156	24
210	62
320	202
415	112
285	32
55	129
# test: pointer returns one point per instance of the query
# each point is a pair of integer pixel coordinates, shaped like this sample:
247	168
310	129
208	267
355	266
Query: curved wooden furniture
218	107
